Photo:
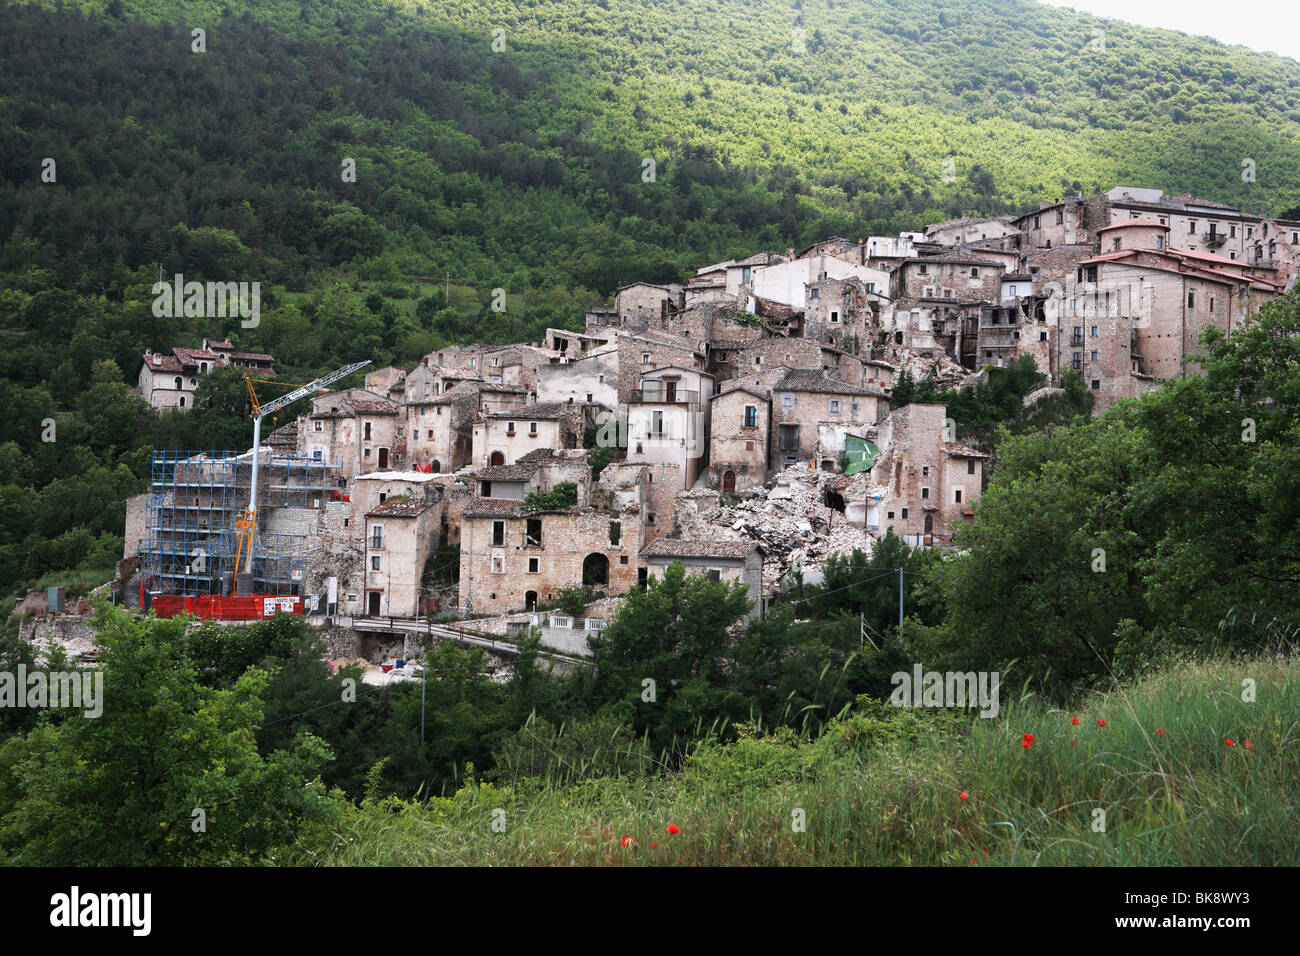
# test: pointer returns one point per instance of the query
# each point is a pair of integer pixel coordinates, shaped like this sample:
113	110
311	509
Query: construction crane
245	526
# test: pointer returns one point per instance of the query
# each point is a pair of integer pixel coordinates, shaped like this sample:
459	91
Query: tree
122	789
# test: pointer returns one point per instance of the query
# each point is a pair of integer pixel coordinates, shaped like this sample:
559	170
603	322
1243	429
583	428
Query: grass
883	788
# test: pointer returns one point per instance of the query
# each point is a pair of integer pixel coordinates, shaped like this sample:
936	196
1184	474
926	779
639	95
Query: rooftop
811	380
682	548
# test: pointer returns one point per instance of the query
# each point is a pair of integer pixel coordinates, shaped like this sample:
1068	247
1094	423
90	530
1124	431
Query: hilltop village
740	423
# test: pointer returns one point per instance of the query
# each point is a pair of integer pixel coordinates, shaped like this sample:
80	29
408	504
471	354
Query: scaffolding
195	498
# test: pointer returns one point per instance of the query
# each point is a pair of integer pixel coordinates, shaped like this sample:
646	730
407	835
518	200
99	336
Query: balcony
654	393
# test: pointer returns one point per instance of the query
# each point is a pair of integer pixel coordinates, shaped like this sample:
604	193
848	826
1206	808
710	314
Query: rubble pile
789	517
943	370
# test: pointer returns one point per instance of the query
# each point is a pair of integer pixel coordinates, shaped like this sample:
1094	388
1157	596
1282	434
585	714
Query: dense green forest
503	146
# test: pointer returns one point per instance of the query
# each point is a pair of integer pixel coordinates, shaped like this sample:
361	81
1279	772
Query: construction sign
860	454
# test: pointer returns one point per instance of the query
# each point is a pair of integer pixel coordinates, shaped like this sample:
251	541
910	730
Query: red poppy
962	795
972	862
654	844
626	841
1248	744
1227	741
1075	721
1025	744
1159	731
1028	737
1101	723
673	828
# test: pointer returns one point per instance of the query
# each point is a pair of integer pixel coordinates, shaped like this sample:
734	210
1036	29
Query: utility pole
900	601
424	680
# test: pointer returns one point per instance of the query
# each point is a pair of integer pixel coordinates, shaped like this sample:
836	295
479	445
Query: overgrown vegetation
562	497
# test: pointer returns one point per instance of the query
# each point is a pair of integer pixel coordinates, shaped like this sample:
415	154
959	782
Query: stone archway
496	458
595	569
530	600
729	481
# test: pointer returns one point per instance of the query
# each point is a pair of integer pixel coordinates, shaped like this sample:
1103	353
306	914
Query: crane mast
245	526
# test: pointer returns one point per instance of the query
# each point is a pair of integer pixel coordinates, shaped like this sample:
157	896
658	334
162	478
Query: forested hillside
522	167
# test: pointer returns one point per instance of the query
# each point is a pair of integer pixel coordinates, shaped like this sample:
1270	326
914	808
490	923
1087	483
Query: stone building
668	419
738	439
512	559
355	430
922	484
969	229
591	379
803	399
732	561
171	380
400	534
502	438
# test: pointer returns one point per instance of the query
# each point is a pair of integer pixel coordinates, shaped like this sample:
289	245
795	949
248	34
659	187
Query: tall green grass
882	788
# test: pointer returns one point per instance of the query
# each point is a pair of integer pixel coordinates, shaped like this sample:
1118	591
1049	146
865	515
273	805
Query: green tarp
860	454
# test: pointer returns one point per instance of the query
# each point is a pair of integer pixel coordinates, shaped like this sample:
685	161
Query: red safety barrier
252	607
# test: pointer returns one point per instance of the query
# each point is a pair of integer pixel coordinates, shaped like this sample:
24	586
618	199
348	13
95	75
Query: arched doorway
496	458
595	569
530	600
929	524
729	481
436	467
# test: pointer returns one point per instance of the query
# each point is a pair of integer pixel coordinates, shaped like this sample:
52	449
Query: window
1094	355
889	515
974	273
510	428
903	514
1191	226
657	423
375	563
1060	216
787	401
1250	231
749	446
1094	331
970	466
1078	360
532	429
925	492
947	293
922	269
816	293
377	536
498	533
496	362
367	427
835	316
650	518
320	426
430	434
1042	336
956	496
714	575
1211	303
399	431
645	358
925	471
834	406
1118	243
366	453
788	439
751	416
1191	300
1096	383
1232	232
533	533
179	384
534	564
615	532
